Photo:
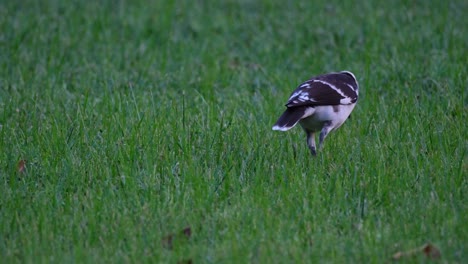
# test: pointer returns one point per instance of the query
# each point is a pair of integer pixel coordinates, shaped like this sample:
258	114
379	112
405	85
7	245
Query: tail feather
290	118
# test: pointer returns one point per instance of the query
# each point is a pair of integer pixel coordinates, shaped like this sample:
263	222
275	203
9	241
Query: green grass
140	118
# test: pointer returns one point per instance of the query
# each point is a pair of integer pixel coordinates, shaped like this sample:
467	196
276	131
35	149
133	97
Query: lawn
140	132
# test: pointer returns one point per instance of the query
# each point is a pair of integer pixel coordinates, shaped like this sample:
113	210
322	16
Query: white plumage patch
278	128
304	96
345	101
308	112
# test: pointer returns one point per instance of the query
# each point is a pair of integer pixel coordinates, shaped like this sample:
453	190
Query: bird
322	103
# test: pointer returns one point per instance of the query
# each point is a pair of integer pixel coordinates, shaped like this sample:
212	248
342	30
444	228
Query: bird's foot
313	151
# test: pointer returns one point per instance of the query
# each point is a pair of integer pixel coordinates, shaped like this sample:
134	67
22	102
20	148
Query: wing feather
328	89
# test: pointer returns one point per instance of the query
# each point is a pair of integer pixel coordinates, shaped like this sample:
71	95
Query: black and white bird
322	103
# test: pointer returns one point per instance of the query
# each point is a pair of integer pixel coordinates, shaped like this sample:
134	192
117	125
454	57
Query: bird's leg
311	142
323	134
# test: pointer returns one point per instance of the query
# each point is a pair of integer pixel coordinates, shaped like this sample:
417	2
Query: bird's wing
328	89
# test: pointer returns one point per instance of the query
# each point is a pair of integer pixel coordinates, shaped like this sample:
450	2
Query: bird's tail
290	118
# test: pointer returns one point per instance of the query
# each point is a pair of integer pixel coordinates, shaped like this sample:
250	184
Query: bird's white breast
336	114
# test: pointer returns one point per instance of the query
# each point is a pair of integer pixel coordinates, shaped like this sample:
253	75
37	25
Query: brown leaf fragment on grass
428	250
398	255
187	232
21	167
431	251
